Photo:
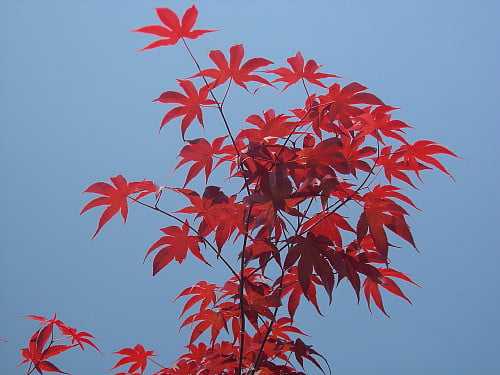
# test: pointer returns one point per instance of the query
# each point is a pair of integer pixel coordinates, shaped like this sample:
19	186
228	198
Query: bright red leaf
190	107
239	74
173	29
299	71
422	150
371	287
201	153
137	356
174	245
206	319
201	292
115	197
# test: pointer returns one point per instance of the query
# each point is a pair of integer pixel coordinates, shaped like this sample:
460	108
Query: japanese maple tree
279	225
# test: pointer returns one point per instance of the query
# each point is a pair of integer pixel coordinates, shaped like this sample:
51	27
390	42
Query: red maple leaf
232	70
115	197
340	103
174	245
201	292
379	211
393	166
270	128
212	319
371	287
191	104
377	122
312	254
202	153
422	150
218	212
353	153
78	338
173	29
137	356
300	71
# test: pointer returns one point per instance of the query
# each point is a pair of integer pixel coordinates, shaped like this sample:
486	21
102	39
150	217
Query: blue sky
75	108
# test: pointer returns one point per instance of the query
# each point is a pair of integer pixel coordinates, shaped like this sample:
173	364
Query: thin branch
219	105
157	363
241	291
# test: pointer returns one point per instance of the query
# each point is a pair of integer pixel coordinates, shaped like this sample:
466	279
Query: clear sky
75	108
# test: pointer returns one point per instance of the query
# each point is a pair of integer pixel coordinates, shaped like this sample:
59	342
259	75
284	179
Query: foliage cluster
282	235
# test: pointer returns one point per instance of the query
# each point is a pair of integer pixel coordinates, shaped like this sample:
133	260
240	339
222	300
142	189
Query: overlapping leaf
372	291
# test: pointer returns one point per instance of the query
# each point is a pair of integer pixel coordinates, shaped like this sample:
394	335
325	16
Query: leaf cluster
284	233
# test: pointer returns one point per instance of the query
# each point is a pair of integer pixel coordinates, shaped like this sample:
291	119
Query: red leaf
79	338
115	197
174	245
379	211
377	122
55	350
207	319
312	253
269	128
201	153
422	150
340	103
202	292
300	72
137	356
371	287
191	104
232	70
173	28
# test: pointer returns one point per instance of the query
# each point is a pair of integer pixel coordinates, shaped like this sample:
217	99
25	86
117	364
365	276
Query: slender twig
157	363
227	91
307	92
255	365
247	221
241	290
219	105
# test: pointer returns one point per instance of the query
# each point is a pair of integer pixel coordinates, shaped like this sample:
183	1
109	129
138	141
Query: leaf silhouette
239	74
137	356
190	107
174	245
299	71
115	197
173	29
